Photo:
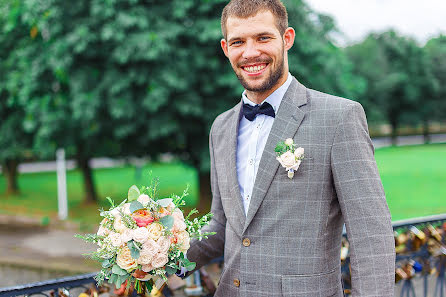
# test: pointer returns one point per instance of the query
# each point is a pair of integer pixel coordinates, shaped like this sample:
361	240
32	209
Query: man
281	235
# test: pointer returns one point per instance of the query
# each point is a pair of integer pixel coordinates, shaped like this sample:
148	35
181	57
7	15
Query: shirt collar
275	98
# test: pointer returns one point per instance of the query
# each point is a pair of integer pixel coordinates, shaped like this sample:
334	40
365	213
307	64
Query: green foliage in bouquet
144	238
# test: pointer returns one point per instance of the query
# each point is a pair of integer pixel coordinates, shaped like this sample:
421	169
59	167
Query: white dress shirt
251	141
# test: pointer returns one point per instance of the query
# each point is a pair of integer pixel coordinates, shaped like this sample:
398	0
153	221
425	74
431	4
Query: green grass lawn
414	179
38	196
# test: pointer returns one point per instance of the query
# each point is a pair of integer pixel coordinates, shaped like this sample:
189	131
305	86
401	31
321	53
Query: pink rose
147	268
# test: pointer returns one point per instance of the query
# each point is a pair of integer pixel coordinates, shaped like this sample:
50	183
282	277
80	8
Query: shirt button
246	242
247	197
236	282
258	126
251	161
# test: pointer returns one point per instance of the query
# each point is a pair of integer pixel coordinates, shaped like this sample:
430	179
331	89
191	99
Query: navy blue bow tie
250	112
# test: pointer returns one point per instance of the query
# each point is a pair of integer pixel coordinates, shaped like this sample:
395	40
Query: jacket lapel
231	169
287	121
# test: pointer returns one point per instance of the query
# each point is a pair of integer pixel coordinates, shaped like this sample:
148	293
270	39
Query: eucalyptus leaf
106	263
134	251
188	264
118	270
170	270
167	221
112	278
135	205
133	193
164	202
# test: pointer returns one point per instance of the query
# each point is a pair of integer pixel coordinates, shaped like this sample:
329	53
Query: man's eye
263	38
236	42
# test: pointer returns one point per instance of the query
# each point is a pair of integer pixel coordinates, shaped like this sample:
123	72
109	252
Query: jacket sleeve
202	252
363	205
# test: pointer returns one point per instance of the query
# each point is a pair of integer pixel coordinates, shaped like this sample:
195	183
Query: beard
270	81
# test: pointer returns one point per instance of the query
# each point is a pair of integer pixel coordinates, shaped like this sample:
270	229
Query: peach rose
125	260
155	230
160	260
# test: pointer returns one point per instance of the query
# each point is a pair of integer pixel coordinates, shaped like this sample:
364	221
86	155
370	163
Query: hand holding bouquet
142	239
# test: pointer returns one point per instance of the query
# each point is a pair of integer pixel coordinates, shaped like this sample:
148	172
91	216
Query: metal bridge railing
420	256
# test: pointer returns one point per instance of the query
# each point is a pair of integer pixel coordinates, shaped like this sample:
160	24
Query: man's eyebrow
257	35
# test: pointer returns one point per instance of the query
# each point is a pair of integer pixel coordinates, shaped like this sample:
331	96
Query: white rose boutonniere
289	155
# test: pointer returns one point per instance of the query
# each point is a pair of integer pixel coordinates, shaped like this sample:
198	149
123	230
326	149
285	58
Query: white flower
289	142
102	231
287	160
126	209
144	199
140	234
115	212
115	239
151	247
145	257
127	235
147	268
183	239
164	244
160	260
118	224
299	152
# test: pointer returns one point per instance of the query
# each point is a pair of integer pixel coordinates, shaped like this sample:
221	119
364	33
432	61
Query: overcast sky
421	19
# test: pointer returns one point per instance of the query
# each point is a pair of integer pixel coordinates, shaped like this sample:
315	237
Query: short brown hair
248	8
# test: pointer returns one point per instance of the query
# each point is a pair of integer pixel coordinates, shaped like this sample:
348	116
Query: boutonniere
289	155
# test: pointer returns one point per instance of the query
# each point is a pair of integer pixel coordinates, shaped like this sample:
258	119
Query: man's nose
251	50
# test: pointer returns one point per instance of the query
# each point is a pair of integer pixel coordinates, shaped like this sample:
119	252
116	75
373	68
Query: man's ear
224	46
288	38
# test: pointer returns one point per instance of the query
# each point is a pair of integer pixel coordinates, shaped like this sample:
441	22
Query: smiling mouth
256	68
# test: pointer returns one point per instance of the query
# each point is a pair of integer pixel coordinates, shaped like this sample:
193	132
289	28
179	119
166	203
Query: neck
259	97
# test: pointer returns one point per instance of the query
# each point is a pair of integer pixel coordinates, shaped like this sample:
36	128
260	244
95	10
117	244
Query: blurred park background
138	84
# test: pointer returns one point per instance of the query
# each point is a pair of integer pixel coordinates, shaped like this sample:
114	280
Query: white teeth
254	68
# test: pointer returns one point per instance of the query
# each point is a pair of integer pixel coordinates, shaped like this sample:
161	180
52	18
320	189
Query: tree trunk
87	173
427	138
10	171
394	132
205	192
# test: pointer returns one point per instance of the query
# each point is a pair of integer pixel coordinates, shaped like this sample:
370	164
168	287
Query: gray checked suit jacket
289	242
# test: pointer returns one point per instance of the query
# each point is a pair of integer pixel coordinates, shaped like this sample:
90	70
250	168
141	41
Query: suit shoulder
222	120
320	100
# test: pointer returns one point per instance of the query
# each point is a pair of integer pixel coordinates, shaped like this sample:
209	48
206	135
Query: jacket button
246	242
236	282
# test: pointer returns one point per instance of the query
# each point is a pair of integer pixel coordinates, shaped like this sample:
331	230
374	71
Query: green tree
397	75
436	52
15	141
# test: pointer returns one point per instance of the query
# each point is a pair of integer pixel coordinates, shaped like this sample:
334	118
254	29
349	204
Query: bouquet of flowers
142	239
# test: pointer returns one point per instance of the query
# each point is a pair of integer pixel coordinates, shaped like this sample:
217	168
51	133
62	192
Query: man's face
257	51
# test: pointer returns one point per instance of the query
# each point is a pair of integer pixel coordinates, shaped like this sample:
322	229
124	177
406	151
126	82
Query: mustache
254	61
